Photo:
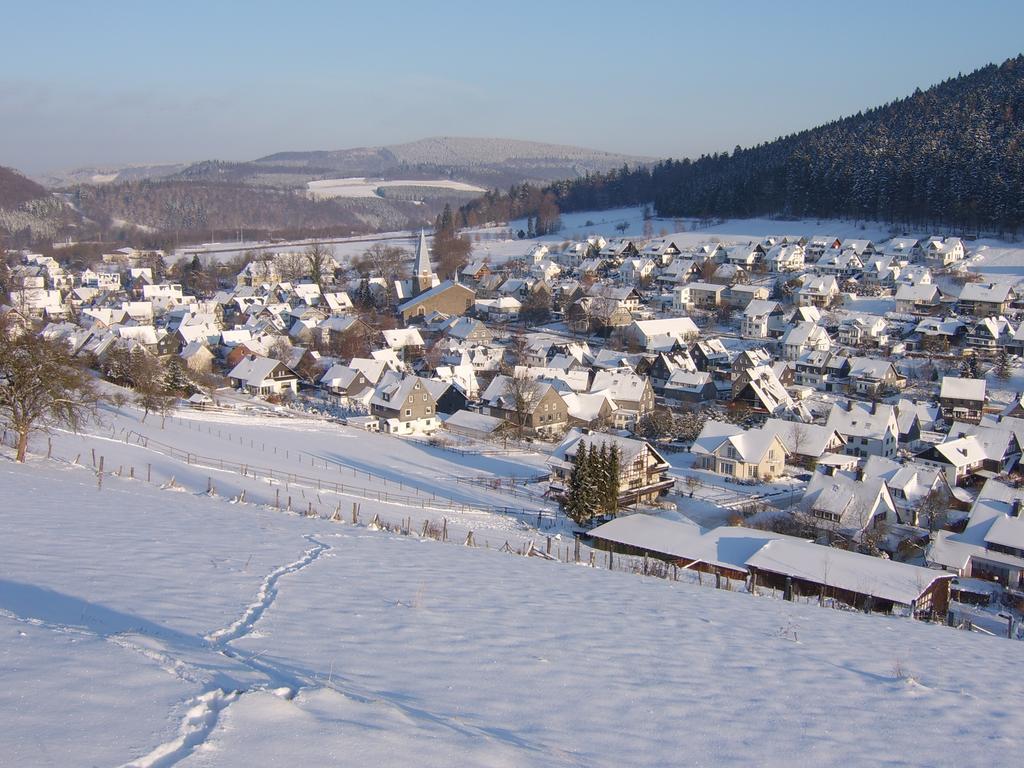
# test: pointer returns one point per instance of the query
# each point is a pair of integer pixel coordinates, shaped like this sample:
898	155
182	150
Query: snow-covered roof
629	448
986	292
837	568
962	389
254	369
478	422
862	419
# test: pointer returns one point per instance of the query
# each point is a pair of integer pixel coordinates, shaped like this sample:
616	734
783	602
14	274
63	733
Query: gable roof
962	389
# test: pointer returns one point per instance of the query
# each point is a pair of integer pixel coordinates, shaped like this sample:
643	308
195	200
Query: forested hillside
29	211
951	155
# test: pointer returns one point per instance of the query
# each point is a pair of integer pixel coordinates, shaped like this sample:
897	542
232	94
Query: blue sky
96	83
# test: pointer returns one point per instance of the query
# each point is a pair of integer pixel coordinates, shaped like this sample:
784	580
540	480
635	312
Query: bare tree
933	510
290	266
798	437
151	393
385	261
41	385
281	349
523	395
318	261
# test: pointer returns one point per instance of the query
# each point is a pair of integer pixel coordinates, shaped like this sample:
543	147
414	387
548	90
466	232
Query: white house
870	429
263	376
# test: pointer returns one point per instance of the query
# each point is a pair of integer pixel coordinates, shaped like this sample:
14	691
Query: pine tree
1002	368
612	480
600	478
176	380
581	500
969	367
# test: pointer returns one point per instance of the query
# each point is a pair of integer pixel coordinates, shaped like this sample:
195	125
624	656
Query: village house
404	405
697	294
740	295
962	399
643	472
756	322
991	547
870	376
690	387
535	407
662	335
761	390
989	334
197	357
846	506
939	252
917	299
747	454
804	337
863	331
785	257
985	299
805	443
817	291
960	459
632	393
263	376
346	382
870	429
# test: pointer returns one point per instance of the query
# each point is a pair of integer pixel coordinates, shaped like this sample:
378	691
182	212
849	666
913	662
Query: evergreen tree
969	367
576	502
612	480
176	379
948	155
1002	369
600	478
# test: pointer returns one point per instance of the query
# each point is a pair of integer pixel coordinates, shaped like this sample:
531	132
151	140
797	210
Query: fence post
149	473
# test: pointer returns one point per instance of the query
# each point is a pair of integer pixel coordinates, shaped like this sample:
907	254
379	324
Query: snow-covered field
359	186
150	627
693	232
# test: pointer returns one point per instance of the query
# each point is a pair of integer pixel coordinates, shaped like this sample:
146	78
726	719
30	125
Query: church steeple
424	277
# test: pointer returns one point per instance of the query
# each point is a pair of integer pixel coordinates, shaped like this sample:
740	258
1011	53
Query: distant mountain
951	155
29	211
487	162
490	162
16	190
107	175
269	195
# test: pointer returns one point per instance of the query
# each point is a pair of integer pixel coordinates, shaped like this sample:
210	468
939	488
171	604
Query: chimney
860	474
848	406
874	407
1015	509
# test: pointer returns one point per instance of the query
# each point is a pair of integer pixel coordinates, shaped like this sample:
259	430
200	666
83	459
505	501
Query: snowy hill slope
155	627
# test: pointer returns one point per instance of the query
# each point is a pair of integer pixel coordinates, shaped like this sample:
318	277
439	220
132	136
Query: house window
428	409
408	411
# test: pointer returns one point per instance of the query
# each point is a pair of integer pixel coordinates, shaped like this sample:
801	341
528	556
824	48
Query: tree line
950	155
